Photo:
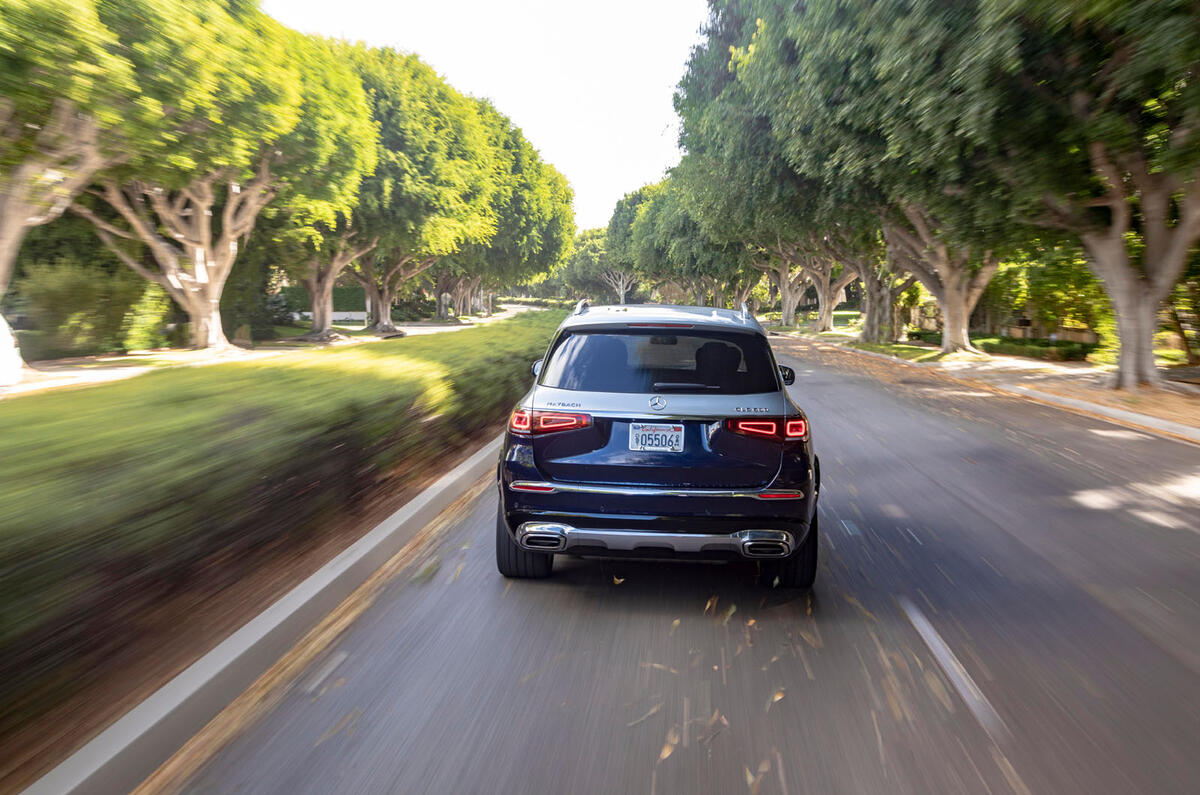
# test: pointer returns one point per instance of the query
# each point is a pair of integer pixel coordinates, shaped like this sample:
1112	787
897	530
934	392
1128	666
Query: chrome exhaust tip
765	543
542	537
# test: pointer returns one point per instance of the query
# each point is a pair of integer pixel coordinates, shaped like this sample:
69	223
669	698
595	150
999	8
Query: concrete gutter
1143	422
124	754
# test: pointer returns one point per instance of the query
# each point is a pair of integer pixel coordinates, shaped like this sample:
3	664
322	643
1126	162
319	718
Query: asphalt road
1008	601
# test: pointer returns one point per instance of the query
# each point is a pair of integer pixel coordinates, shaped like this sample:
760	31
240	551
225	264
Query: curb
124	754
1167	429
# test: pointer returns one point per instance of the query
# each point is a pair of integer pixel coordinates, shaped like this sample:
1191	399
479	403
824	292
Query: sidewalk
1173	409
88	370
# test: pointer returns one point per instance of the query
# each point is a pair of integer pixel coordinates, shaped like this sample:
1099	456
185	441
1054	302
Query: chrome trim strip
539	536
545	487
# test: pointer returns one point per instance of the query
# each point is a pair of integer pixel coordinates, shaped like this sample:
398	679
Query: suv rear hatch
673	407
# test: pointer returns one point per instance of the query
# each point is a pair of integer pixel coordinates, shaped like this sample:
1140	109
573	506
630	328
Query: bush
146	320
111	494
549	303
1037	348
80	310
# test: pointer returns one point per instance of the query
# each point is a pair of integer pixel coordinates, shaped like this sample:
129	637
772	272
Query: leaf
776	697
669	746
660	667
652	710
728	614
711	604
674	626
618	580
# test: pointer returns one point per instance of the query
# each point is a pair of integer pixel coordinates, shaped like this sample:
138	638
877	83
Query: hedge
555	303
1057	350
351	298
111	495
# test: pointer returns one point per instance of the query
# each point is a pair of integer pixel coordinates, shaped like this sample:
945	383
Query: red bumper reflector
531	487
780	495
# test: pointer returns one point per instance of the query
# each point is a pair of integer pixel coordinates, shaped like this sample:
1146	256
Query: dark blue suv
659	431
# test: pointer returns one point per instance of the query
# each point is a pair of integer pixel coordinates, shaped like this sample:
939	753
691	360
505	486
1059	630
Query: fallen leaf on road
669	746
457	572
711	604
864	612
618	580
776	697
653	710
728	614
660	667
347	723
750	623
674	626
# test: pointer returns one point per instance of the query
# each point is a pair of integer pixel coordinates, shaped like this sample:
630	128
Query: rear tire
799	570
513	561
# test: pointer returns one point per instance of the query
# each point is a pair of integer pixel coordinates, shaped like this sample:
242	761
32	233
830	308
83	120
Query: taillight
526	421
779	429
520	421
795	429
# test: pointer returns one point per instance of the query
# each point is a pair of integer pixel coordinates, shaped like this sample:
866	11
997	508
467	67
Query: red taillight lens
548	421
768	428
526	421
781	429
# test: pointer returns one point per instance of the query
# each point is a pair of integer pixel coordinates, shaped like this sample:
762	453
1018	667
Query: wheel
799	570
513	561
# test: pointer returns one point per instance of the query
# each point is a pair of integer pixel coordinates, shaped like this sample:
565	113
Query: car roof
619	315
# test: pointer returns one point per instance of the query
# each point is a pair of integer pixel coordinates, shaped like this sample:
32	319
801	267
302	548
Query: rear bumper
567	539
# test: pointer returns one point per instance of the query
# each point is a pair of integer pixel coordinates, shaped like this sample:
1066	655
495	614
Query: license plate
655	437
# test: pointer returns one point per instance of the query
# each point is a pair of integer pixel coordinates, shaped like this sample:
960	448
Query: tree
534	218
77	91
835	80
621	274
670	245
330	229
432	190
736	178
585	264
282	120
1088	111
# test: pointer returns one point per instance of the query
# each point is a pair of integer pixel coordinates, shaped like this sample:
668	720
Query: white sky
590	84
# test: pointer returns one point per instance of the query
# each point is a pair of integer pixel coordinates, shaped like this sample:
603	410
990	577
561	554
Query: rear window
694	361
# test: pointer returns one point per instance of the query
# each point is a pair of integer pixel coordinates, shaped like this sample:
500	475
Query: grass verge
113	495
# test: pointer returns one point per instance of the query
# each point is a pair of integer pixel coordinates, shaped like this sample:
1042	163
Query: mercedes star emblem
658	402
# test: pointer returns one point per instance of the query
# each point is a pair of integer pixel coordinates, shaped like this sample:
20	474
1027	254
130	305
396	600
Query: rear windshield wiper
669	386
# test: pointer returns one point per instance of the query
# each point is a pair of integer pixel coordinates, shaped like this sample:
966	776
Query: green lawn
912	353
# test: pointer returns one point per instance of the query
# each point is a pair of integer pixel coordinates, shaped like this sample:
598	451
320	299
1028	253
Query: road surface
1008	601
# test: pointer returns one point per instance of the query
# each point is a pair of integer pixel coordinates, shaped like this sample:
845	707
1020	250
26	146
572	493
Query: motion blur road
1008	601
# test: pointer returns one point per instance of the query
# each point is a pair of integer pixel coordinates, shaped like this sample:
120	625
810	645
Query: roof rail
745	311
582	306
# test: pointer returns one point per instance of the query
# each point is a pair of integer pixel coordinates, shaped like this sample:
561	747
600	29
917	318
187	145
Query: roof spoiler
582	306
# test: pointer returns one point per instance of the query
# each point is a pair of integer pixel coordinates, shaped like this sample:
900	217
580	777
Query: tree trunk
385	294
956	314
204	318
12	232
789	298
320	297
920	249
877	319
